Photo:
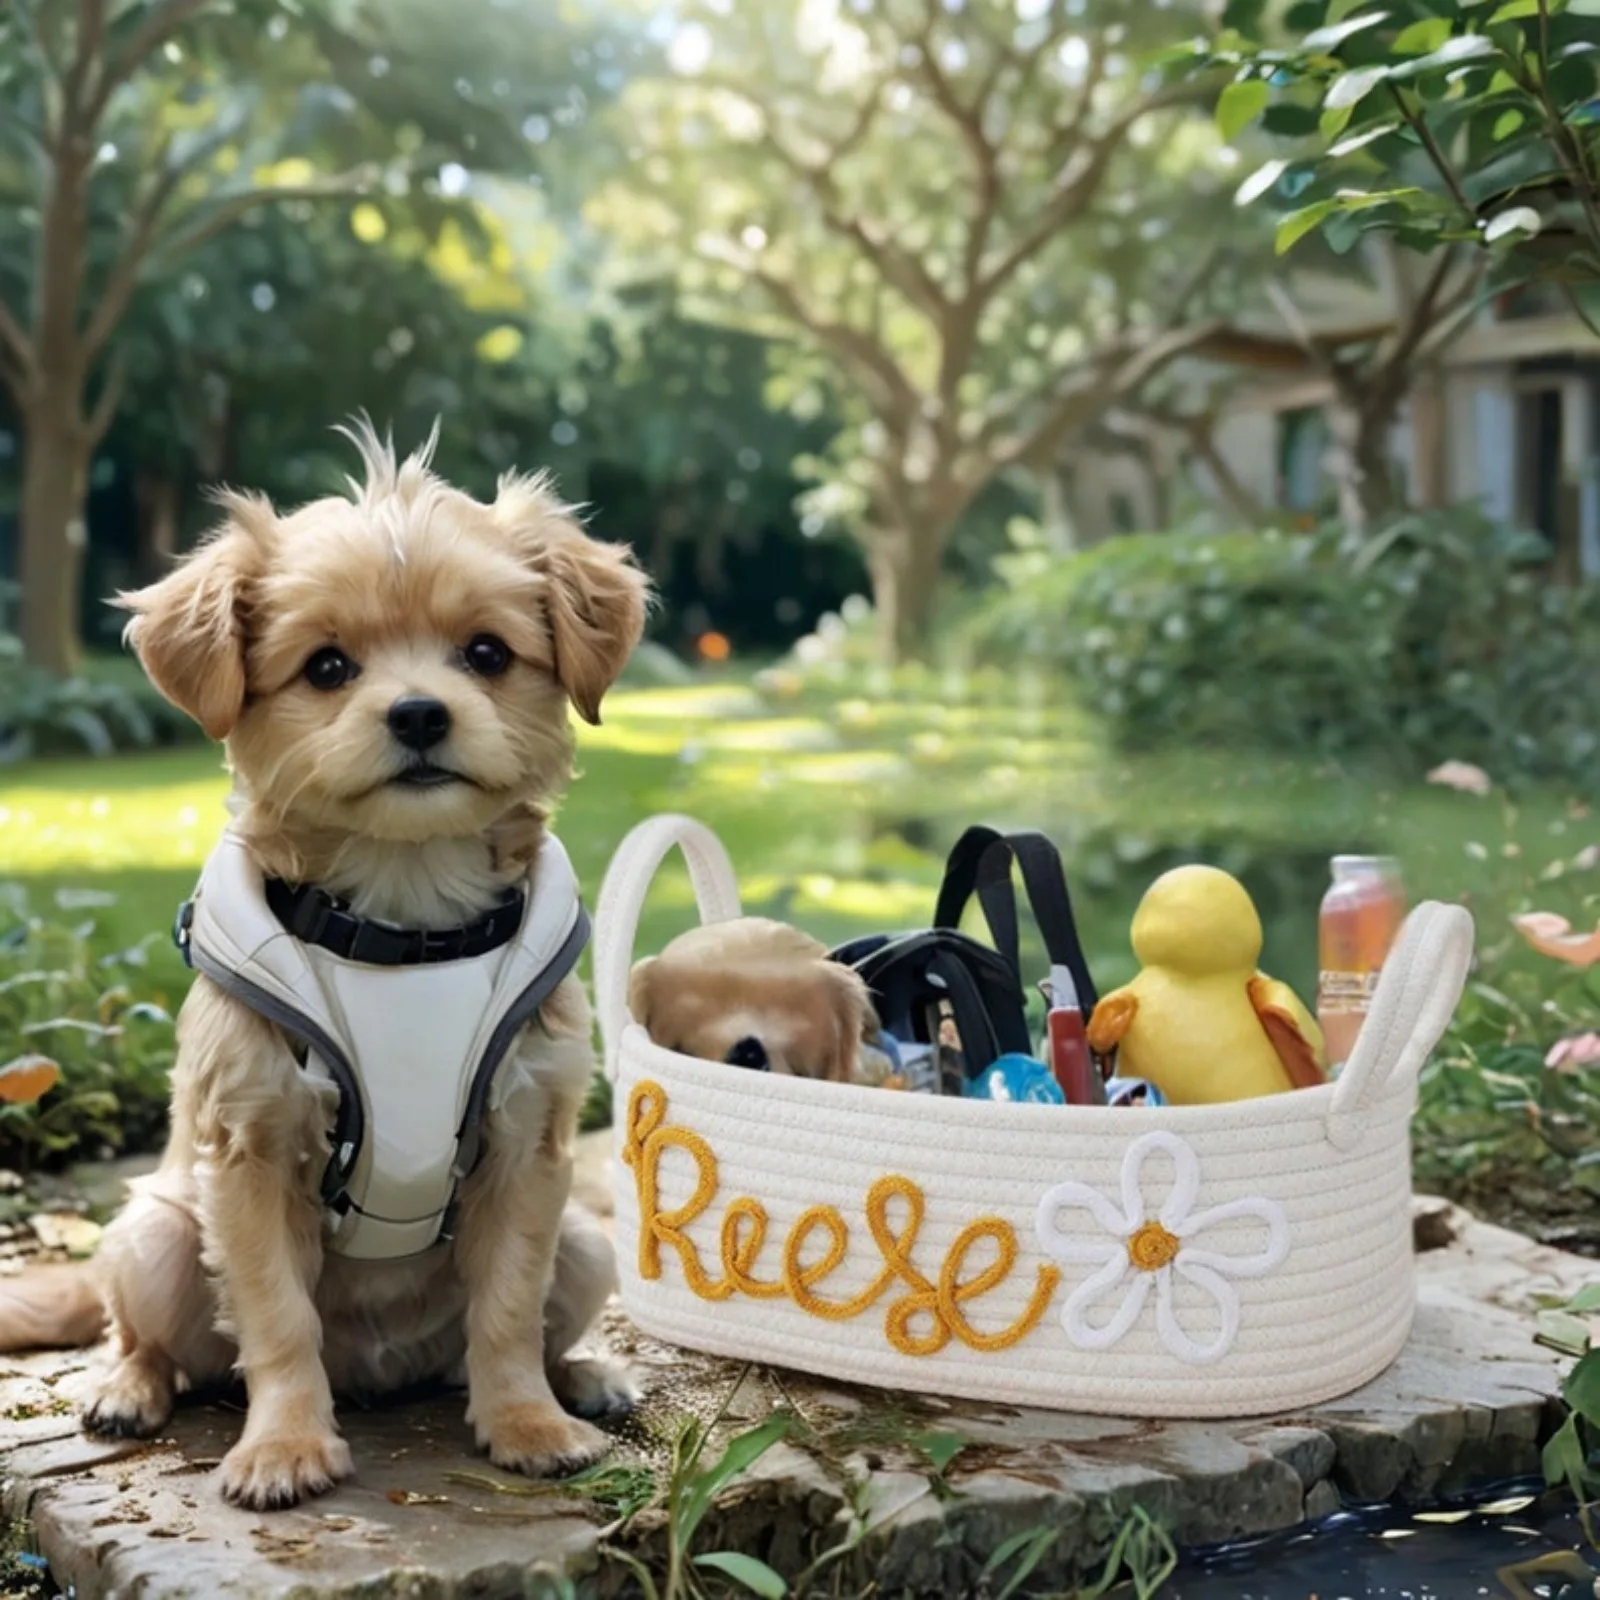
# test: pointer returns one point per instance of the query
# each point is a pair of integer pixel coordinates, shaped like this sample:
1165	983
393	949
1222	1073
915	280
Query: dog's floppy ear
639	992
188	628
854	1019
594	594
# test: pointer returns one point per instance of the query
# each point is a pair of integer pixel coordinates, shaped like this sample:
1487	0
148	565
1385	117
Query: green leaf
1239	105
1321	40
1452	53
1358	141
1259	182
1562	1459
1298	224
1507	124
1332	123
1513	220
742	1453
1289	121
1581	1391
756	1576
1586	1299
940	1448
1243	15
1030	1547
1513	9
1422	36
1560	1330
1350	88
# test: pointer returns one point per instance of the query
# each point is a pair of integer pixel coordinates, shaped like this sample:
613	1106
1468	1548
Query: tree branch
1078	184
896	393
1114	372
77	118
1094	75
109	398
141	234
16	344
242	204
904	271
968	122
1413	320
1299	328
164	20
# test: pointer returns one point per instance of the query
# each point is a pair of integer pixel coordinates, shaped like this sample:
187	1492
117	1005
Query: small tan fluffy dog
291	638
754	993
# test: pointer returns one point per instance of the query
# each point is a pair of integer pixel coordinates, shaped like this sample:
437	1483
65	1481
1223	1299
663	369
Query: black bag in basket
951	1004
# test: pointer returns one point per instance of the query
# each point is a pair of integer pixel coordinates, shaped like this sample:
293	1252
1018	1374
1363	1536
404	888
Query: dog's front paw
540	1439
130	1401
595	1388
278	1470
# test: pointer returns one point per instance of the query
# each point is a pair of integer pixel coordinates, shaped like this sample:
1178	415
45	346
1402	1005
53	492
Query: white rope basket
1185	1261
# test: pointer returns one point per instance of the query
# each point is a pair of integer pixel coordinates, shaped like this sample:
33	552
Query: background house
1508	404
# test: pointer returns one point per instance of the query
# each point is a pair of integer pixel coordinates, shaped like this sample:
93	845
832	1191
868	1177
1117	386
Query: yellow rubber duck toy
1200	1021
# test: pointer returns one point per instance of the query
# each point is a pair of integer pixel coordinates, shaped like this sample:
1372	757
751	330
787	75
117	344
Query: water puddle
1516	1546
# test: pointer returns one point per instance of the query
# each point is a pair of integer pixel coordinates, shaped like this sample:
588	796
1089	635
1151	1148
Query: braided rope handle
1417	995
622	895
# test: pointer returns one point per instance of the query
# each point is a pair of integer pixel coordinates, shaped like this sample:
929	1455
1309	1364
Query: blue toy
1017	1078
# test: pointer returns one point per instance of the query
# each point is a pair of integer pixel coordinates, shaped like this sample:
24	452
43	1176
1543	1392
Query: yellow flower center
1151	1247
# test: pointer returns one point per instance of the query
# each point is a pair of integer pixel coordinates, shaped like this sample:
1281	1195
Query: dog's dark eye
486	655
330	669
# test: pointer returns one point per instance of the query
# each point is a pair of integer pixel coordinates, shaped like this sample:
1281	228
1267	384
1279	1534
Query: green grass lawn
837	807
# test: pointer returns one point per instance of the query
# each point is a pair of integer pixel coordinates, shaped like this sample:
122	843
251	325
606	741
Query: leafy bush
102	712
1438	636
1509	1113
114	1050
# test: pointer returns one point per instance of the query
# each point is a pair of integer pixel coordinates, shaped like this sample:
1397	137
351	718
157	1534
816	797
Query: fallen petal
1568	1055
1461	775
27	1078
1552	936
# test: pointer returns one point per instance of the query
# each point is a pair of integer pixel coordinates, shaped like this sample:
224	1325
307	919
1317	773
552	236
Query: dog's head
395	664
754	993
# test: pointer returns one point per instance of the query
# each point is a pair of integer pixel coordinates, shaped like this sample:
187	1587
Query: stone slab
1469	1402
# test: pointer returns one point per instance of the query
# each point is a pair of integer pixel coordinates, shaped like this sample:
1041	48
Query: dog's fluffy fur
217	1260
751	978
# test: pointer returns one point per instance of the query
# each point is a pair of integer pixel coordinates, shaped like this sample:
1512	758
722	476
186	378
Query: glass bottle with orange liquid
1361	915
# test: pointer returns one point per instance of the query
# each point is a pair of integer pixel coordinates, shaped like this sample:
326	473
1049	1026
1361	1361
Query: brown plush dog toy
754	993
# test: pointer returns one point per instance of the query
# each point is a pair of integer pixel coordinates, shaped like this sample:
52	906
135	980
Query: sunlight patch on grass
634	738
779	735
45	829
699	703
879	904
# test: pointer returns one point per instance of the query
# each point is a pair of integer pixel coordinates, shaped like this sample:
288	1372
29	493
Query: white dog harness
409	1026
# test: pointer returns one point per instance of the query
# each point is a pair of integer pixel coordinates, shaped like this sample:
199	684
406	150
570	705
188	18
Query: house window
1302	448
1555	455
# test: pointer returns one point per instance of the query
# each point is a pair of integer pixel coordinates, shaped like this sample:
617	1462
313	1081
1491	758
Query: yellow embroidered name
936	1303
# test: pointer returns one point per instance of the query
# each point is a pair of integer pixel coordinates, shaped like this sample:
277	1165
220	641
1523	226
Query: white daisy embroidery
1151	1245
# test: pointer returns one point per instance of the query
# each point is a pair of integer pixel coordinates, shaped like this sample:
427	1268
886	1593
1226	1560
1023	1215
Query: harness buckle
311	916
182	925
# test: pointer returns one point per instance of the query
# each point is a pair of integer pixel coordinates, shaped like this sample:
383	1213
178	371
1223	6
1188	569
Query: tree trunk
1358	461
1429	462
55	476
905	565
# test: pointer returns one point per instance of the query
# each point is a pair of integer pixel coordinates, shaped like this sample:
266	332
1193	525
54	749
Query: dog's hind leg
585	1278
163	1315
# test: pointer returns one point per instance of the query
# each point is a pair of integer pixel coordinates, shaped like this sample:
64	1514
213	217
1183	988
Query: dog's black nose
418	721
748	1053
